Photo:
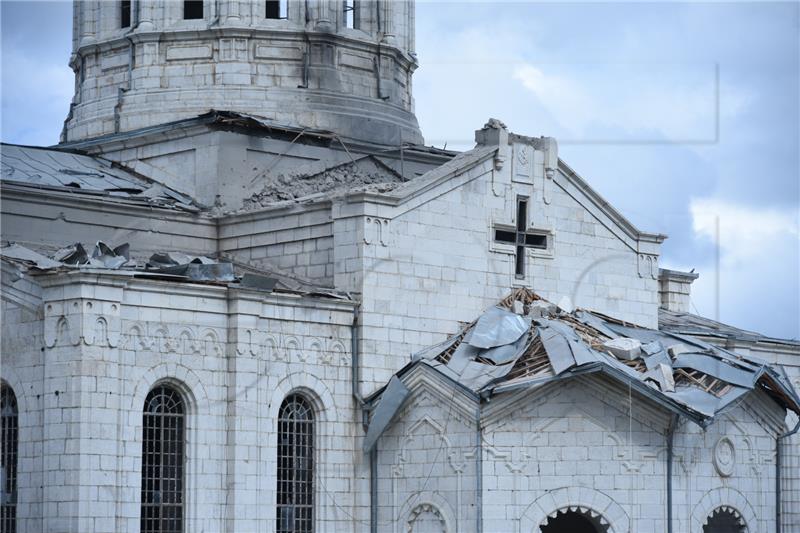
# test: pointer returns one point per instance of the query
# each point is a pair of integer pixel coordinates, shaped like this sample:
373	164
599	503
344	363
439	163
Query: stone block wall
83	362
432	263
585	443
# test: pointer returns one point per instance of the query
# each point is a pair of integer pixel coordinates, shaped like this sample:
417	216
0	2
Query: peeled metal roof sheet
497	327
482	359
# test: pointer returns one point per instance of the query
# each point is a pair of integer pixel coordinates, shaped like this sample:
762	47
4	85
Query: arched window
295	491
9	418
724	520
163	446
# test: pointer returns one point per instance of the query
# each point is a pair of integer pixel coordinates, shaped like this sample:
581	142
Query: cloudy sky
685	116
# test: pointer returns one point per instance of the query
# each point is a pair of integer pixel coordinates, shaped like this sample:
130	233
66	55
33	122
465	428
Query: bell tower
339	65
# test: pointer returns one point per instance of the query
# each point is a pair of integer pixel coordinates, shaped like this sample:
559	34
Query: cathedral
242	295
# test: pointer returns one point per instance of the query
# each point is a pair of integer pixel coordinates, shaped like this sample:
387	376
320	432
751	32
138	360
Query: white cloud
647	101
743	232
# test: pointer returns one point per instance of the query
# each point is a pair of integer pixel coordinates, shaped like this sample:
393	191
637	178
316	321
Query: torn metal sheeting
595	322
662	374
168	259
557	348
19	253
652	361
432	351
696	399
72	255
497	327
202	271
643	335
714	367
477	375
462	356
103	255
484	359
507	353
390	403
255	281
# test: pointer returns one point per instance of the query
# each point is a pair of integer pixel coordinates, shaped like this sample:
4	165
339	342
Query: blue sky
685	116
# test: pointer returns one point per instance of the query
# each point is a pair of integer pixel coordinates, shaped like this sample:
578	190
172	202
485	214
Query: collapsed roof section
324	179
171	266
525	341
66	171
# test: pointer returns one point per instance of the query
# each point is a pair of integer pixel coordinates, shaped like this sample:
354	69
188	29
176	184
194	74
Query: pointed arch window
163	446
9	446
295	492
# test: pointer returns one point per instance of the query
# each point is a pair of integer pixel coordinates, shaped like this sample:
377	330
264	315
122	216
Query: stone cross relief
520	236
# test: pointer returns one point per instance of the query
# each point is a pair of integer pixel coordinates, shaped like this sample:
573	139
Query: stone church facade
242	295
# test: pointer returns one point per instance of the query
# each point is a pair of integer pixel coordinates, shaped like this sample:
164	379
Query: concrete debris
503	351
542	309
624	348
367	172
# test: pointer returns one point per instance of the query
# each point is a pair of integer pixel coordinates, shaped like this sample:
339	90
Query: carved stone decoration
376	231
724	456
647	266
426	518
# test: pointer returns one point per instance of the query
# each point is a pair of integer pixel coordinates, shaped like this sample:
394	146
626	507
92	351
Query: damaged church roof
66	171
526	341
691	324
172	266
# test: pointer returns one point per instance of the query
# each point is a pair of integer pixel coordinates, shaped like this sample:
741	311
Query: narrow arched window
163	446
295	491
9	442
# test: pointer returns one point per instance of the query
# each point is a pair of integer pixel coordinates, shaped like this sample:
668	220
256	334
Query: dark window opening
163	446
522	213
504	236
723	520
9	451
536	241
519	266
520	237
277	9
295	491
125	14
350	19
572	522
192	9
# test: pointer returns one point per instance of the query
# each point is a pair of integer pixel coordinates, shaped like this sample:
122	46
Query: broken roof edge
216	118
169	196
65	275
426	182
601	203
726	331
88	200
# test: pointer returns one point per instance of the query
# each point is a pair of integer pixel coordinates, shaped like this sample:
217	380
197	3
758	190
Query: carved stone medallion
724	456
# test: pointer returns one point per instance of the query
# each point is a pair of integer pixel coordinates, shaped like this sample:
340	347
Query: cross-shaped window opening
520	237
